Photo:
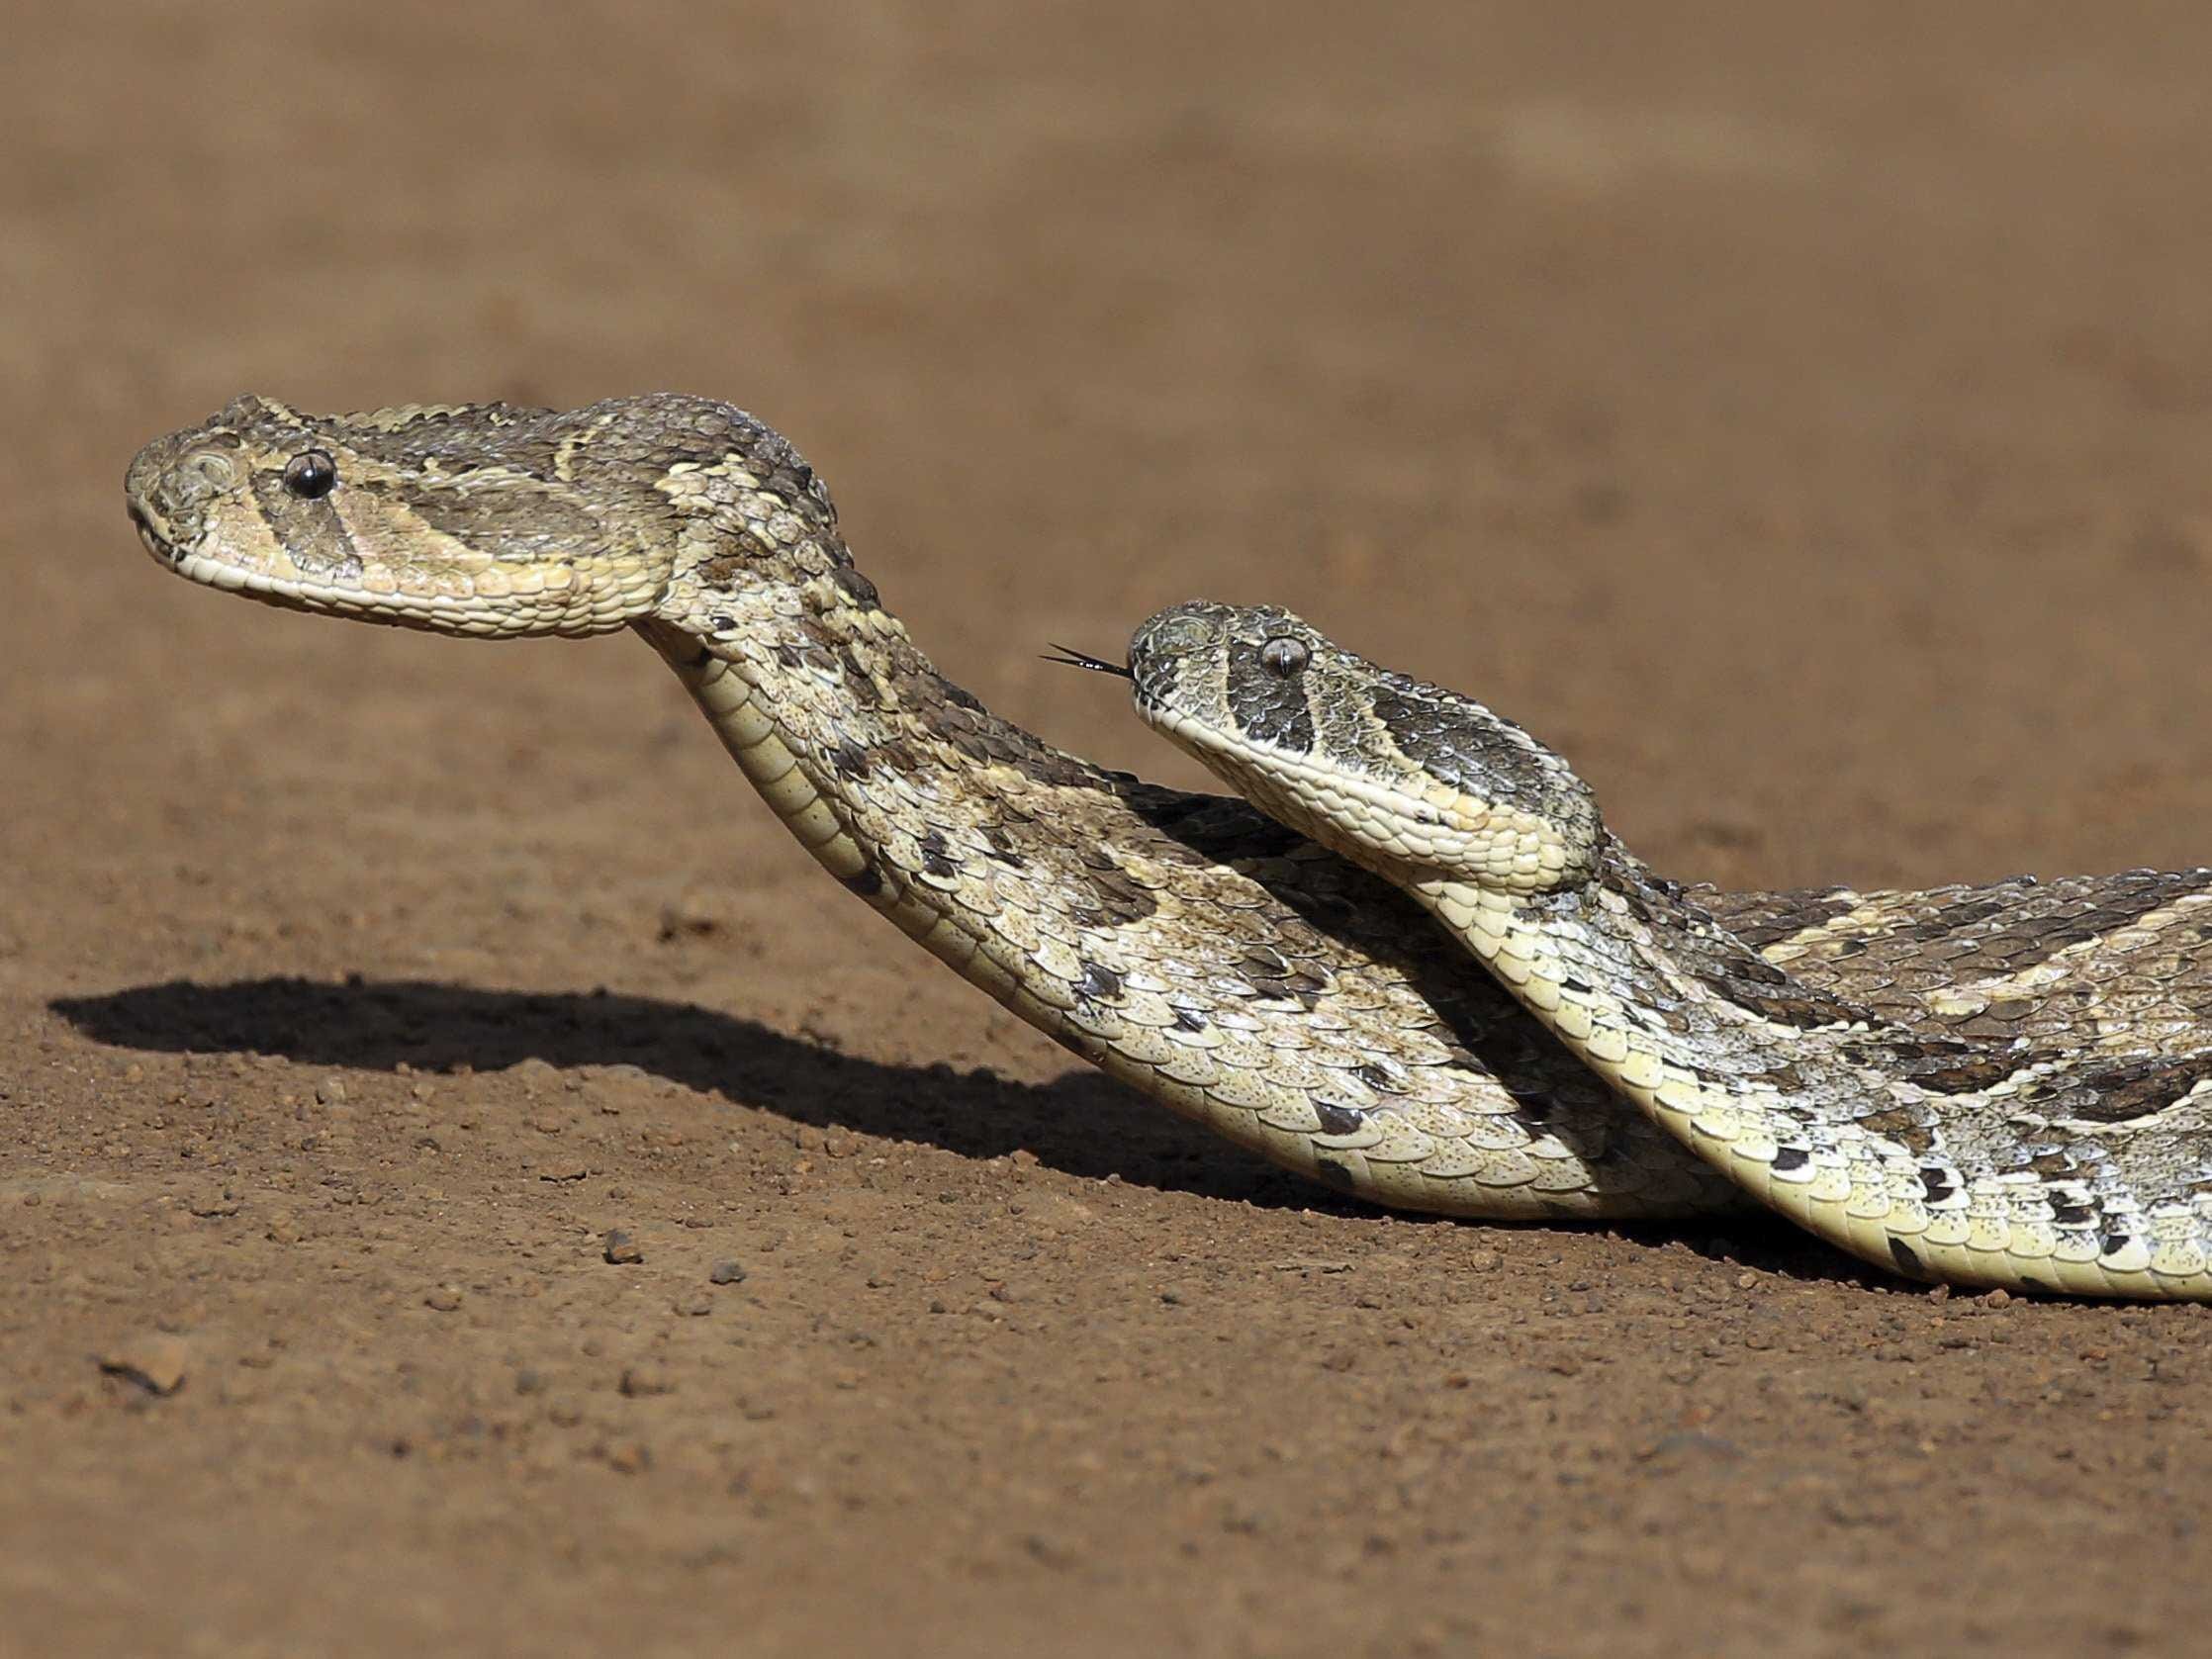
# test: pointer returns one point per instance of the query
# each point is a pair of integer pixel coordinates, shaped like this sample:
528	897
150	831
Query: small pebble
726	1273
445	1298
214	1202
156	1362
643	1381
330	1091
621	1249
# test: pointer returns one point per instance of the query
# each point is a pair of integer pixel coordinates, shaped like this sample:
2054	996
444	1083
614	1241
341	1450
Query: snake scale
1189	945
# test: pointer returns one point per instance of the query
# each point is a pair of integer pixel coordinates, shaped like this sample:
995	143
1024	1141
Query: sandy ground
1803	426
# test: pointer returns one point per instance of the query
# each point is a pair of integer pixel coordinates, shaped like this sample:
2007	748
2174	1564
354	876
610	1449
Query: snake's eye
1284	656
310	475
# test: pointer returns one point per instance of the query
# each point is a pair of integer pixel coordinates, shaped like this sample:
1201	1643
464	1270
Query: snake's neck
902	786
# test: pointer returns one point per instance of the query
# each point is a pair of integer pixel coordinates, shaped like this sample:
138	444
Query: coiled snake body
1186	944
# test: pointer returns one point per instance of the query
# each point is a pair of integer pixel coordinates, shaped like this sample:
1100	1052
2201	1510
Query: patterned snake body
1186	944
1965	1161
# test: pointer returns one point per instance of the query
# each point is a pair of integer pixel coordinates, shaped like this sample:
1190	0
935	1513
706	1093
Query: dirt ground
1803	423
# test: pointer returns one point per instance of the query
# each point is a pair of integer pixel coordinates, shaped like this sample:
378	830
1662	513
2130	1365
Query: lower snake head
1396	774
484	519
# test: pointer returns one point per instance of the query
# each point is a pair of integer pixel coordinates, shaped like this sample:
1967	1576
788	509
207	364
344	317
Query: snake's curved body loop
1974	1162
1214	961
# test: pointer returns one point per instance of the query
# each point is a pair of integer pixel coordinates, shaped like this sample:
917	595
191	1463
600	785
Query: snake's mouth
152	539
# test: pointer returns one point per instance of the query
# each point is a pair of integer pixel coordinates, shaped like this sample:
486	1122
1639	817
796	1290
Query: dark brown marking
857	588
1099	982
937	855
1901	1125
2127	1088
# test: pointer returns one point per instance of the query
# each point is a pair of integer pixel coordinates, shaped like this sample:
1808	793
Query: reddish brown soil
1806	430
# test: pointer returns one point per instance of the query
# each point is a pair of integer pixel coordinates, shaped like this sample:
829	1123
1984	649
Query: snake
1220	962
2013	1166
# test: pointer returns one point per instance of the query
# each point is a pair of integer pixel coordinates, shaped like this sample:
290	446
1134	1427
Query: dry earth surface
1798	416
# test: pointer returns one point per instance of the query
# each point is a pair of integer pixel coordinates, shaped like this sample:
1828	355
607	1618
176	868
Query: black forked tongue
1070	657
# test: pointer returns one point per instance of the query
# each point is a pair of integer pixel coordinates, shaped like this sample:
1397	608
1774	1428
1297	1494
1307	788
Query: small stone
1485	1261
534	1073
629	1457
1685	1444
695	915
564	1169
215	1202
726	1273
330	1092
621	1249
695	1305
1997	1298
155	1362
445	1298
641	1382
283	1229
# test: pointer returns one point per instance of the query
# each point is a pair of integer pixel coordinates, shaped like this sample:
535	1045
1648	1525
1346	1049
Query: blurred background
1796	415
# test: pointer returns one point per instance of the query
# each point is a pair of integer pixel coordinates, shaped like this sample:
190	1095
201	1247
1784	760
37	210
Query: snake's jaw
455	520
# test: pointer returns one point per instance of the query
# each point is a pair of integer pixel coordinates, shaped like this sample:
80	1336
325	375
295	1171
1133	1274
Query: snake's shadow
1081	1122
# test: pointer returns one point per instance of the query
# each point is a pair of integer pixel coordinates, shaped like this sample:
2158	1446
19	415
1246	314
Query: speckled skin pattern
2053	1142
1186	944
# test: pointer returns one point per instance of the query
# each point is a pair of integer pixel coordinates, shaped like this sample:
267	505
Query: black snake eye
1284	656
310	475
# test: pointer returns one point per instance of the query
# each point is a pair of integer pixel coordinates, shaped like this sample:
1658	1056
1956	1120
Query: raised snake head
1390	771
485	520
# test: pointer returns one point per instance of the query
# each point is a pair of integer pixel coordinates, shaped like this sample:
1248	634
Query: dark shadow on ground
1080	1123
